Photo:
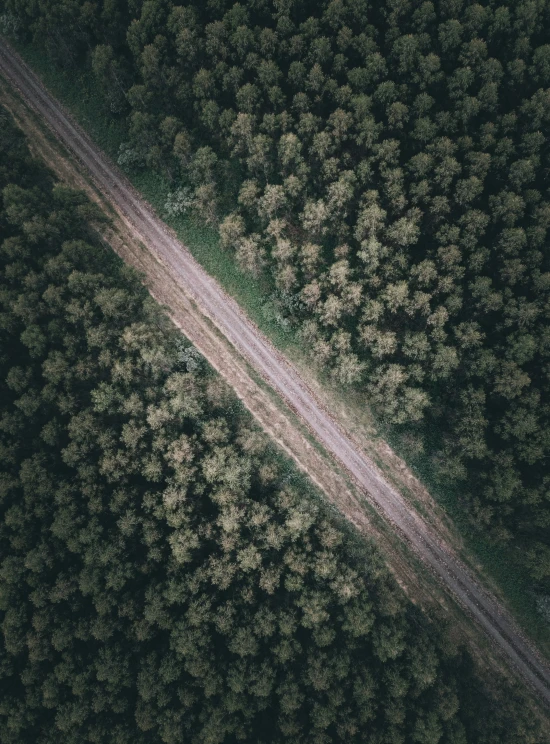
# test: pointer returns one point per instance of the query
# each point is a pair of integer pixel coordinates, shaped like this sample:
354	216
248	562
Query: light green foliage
448	107
164	576
408	140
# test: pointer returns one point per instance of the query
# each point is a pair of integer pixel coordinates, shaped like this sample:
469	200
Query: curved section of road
282	376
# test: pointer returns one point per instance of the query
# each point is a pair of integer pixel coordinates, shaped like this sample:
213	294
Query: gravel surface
281	375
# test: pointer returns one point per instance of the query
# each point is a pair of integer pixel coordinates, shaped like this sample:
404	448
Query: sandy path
226	315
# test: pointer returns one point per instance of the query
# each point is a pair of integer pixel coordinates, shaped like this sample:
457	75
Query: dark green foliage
163	576
393	179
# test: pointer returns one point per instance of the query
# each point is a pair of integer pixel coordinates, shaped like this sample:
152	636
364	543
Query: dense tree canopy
387	163
163	575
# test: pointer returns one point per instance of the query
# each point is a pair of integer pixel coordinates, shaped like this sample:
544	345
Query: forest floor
325	440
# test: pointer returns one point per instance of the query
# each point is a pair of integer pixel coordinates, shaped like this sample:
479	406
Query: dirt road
275	370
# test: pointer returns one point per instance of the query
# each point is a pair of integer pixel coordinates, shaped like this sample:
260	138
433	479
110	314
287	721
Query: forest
165	574
386	165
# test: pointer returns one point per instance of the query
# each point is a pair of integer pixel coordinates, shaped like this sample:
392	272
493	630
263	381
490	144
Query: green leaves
391	180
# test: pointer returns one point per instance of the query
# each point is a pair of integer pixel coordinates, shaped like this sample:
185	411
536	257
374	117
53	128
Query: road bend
224	312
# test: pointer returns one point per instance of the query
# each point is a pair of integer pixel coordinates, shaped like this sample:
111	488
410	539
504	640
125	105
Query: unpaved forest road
227	316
